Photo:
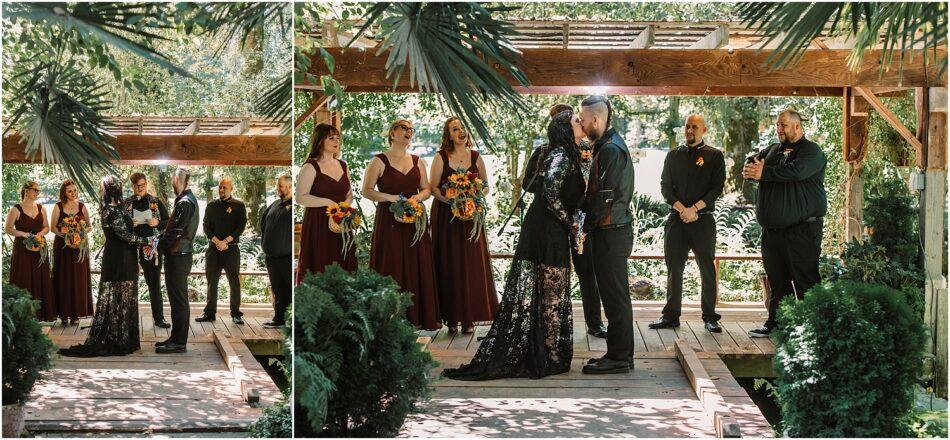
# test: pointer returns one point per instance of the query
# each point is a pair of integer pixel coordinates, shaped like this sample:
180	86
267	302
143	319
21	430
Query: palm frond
241	20
902	27
277	102
59	120
451	49
115	24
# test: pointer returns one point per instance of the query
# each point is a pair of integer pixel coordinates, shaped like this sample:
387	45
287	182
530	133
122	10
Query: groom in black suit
609	233
176	243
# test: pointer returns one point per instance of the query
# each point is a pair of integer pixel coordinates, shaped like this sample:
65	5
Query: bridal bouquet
407	210
74	232
466	194
36	243
344	220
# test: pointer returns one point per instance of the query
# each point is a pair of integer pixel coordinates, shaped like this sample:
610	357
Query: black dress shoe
161	343
273	324
237	320
607	366
205	318
162	323
664	322
595	360
599	331
171	347
713	326
761	332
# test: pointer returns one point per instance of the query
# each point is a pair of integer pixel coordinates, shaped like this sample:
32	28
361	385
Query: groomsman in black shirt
790	206
224	222
142	205
275	227
693	178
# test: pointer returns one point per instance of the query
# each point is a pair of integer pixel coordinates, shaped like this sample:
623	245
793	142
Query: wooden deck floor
145	392
656	399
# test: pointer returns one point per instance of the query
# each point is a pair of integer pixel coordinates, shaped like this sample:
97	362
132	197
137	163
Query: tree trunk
742	133
254	194
208	185
161	180
673	121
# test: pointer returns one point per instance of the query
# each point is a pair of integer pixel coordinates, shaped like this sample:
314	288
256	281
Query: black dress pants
153	279
279	273
678	239
177	268
790	256
230	261
590	298
610	249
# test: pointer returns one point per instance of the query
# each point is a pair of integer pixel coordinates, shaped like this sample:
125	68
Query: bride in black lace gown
532	332
115	324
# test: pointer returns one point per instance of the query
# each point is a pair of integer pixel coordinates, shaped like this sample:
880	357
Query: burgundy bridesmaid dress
391	254
71	278
26	271
319	247
463	269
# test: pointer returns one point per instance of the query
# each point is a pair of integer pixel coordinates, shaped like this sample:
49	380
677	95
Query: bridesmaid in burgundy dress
323	181
467	293
70	276
390	174
25	219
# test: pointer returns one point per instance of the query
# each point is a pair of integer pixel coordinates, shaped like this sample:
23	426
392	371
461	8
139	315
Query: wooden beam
933	207
714	40
566	35
192	128
854	141
645	39
315	105
634	91
236	366
890	117
364	71
240	128
182	149
713	404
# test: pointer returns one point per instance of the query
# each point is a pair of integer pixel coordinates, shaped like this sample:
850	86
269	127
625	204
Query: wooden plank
181	150
765	345
461	341
580	337
686	333
713	403
741	337
639	345
667	337
316	104
651	338
234	363
480	332
441	340
706	340
365	71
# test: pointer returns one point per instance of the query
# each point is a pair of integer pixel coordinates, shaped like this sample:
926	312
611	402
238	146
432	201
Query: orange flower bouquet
74	232
37	243
344	220
408	210
466	194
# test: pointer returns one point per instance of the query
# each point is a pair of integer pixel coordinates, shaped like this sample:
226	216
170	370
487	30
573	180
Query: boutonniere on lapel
287	207
787	152
229	210
586	155
700	161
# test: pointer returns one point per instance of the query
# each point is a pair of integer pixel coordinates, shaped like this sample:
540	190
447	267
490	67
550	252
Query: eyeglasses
34	189
406	127
140	185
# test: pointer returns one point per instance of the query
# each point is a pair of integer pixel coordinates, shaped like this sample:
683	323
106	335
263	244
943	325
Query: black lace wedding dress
115	324
532	332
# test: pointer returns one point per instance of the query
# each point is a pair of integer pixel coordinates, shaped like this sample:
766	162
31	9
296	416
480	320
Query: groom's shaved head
595	116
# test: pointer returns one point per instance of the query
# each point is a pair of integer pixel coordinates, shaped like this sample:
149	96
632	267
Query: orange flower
469	207
700	161
451	193
63	230
152	206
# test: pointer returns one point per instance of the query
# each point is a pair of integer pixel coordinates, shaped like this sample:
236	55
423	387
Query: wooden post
931	229
854	138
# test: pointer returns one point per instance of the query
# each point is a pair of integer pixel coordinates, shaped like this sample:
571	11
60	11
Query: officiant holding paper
149	215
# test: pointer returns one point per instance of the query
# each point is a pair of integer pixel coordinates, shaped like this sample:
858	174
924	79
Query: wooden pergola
240	140
712	59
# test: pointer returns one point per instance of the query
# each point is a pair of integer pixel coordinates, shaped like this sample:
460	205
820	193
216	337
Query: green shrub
27	351
276	422
847	361
358	369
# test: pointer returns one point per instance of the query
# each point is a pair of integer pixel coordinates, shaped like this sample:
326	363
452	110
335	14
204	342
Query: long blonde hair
392	128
